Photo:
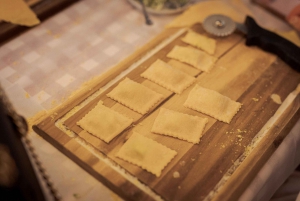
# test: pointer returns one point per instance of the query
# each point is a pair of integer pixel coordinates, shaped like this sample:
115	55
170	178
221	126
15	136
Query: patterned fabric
51	60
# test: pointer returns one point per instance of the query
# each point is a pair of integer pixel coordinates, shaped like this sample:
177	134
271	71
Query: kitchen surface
85	49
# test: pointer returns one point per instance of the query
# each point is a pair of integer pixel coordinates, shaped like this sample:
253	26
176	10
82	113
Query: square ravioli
146	153
193	56
104	122
170	78
200	41
212	103
135	96
184	67
180	125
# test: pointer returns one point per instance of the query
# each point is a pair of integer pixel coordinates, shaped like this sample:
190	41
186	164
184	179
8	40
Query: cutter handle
271	42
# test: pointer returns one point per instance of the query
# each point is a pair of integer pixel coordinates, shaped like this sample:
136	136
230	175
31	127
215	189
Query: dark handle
271	42
147	18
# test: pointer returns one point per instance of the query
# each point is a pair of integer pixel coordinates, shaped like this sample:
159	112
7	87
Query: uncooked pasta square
170	78
212	103
193	56
104	122
146	153
135	96
183	126
200	41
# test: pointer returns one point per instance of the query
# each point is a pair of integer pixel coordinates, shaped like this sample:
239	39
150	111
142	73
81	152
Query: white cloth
277	169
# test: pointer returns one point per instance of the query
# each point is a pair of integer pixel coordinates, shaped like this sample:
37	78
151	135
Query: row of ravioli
139	150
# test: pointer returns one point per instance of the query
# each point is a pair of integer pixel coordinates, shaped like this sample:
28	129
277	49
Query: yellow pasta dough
180	125
184	67
104	122
200	41
146	153
193	56
135	96
212	103
168	77
17	12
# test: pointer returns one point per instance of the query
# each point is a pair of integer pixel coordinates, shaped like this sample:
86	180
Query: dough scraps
212	103
200	41
168	77
104	122
146	153
180	125
276	98
193	56
135	96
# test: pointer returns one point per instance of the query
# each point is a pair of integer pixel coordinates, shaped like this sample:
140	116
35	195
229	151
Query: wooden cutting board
228	156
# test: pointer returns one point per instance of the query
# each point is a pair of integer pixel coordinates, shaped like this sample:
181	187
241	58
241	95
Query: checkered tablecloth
48	62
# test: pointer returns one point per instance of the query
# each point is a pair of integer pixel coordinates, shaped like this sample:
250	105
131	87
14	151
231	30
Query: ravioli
212	103
179	125
164	75
184	67
146	153
104	122
193	56
200	41
135	96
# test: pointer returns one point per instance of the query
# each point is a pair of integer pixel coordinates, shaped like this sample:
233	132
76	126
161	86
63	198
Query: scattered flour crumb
27	95
176	174
240	131
255	99
53	116
53	103
182	163
276	98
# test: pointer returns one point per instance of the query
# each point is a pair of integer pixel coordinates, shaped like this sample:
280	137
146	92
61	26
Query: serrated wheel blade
219	25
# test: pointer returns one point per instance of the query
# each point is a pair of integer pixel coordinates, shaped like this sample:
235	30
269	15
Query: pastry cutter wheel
220	25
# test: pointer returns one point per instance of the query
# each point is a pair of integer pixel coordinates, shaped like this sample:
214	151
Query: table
42	67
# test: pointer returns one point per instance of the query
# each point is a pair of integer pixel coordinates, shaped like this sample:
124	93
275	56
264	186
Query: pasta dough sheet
212	103
168	77
104	122
180	125
200	41
193	56
146	153
135	96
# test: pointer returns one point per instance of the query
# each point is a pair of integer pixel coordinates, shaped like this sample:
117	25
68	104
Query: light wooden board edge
248	165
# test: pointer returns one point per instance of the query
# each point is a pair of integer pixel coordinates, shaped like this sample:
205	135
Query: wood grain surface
228	156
